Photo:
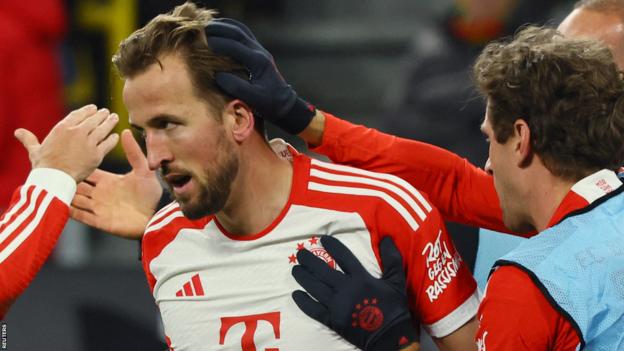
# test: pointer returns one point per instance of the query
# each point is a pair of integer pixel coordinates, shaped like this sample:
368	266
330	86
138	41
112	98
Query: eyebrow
156	120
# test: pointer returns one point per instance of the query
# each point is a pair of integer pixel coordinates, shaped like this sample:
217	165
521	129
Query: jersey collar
585	192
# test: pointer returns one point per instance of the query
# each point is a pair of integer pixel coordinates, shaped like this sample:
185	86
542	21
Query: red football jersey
466	194
217	291
29	229
461	191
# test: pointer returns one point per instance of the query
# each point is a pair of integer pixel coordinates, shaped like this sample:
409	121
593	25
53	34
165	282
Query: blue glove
370	313
266	91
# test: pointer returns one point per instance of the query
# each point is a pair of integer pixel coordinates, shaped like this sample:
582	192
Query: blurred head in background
598	19
480	21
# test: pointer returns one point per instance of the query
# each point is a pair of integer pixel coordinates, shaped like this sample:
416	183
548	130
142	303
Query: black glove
370	313
266	91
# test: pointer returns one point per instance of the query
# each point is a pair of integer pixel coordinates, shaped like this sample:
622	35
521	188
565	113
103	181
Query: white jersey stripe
388	177
28	230
451	322
22	200
163	211
367	192
378	183
8	230
164	222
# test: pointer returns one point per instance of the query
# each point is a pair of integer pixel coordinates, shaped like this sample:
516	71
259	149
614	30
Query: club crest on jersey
314	246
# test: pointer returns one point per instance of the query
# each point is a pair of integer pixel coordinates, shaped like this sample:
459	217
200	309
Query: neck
546	194
259	192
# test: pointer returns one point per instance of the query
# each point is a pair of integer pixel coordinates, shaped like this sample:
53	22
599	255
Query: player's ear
240	119
522	139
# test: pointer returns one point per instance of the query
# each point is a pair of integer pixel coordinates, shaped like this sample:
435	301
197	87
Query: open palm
119	204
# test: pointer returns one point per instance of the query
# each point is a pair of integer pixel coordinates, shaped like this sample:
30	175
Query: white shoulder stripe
164	222
28	230
388	177
163	211
22	200
367	192
19	220
362	180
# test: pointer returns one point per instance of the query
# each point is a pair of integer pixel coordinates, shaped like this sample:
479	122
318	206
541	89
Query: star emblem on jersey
314	246
367	315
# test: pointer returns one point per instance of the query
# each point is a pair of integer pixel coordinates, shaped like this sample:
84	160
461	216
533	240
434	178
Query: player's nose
158	151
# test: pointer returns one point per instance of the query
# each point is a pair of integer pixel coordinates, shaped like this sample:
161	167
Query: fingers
228	28
310	307
82	202
108	144
343	256
91	122
27	138
319	268
235	50
85	189
77	116
240	26
95	177
392	263
135	156
239	88
102	130
83	216
315	287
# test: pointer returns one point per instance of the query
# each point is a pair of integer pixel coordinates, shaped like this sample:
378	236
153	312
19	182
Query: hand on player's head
265	90
76	145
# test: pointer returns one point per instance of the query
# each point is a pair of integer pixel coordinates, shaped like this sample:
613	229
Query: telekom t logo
251	324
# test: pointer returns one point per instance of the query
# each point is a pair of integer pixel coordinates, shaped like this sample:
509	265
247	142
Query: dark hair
569	91
180	32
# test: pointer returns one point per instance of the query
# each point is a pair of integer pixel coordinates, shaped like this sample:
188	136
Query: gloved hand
266	91
370	313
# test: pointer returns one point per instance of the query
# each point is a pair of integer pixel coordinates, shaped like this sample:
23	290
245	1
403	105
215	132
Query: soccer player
218	260
566	191
463	192
39	209
468	193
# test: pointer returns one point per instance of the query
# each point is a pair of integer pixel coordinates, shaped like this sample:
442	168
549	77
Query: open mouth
178	181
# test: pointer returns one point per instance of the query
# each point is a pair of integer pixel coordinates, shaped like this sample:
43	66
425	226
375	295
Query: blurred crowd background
402	66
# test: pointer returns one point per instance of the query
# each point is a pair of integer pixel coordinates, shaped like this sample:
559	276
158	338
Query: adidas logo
192	288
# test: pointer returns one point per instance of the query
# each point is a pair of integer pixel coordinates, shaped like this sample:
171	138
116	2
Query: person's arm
461	191
516	316
443	294
39	210
30	228
438	289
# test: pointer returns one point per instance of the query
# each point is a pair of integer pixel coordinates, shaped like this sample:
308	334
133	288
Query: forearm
30	229
463	339
460	190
